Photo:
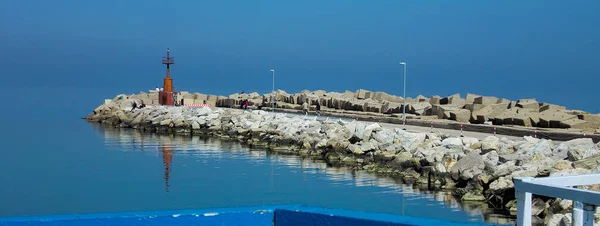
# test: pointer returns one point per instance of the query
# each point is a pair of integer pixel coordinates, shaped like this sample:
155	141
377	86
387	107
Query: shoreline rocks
476	170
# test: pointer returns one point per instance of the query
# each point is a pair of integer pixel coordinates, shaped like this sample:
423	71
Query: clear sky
515	49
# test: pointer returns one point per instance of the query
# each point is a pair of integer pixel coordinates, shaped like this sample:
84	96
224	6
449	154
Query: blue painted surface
290	215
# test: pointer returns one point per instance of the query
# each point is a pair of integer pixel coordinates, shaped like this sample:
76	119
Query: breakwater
476	170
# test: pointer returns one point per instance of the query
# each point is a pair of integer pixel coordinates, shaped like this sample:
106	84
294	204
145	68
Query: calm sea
53	162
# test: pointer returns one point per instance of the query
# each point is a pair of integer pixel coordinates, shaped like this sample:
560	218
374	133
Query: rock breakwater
469	109
476	170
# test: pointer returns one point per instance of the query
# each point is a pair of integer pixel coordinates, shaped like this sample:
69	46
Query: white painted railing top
584	201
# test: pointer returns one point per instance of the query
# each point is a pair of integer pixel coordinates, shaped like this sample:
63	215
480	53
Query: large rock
452	143
468	167
570	172
373	106
474	107
443	111
491	160
469	141
419	108
381	97
361	94
505	117
410	141
575	149
591	117
576	123
488	112
453	100
528	103
490	143
526	118
582	150
391	107
553	119
551	107
591	162
470	99
485	100
501	184
538	206
460	115
435	100
560	220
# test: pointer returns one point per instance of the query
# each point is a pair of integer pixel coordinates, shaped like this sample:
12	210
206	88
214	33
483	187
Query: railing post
577	218
523	208
588	214
523	201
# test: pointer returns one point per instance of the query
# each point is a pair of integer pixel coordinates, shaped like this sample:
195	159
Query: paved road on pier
411	128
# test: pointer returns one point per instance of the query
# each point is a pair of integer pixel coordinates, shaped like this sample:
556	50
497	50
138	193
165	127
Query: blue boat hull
255	216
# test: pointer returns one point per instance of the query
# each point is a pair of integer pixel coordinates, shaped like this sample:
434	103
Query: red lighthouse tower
166	96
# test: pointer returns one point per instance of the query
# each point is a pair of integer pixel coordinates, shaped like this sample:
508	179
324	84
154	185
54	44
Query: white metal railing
584	201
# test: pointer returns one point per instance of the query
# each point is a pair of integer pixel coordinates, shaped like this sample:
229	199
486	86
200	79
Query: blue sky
513	49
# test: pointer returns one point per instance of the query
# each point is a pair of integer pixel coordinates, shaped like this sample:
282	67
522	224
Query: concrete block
552	107
153	96
435	100
188	101
550	119
591	117
486	100
421	98
419	108
443	111
574	123
460	115
474	107
489	112
528	103
373	106
453	99
391	107
505	117
361	94
198	101
470	99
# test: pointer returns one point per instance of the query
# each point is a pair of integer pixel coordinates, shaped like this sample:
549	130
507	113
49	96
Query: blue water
53	162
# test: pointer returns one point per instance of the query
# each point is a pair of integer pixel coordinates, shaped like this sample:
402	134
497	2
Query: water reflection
166	154
205	149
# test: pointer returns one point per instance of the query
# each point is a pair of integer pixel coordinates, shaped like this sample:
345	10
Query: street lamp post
273	92
404	99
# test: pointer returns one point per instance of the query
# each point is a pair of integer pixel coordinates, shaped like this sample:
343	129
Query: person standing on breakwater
318	108
305	107
133	106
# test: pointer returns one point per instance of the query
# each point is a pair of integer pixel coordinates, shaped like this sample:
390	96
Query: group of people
244	104
306	107
134	105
